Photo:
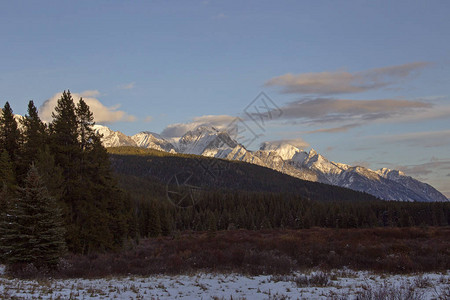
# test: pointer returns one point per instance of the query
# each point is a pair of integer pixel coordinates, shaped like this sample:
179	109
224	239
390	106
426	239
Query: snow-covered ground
343	284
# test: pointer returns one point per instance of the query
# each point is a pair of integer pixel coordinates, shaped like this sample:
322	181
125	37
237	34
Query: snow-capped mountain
151	140
113	138
283	157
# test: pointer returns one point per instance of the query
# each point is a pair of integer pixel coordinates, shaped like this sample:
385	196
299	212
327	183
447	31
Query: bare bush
319	279
403	291
422	282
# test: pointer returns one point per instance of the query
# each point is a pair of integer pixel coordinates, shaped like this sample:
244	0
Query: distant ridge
286	158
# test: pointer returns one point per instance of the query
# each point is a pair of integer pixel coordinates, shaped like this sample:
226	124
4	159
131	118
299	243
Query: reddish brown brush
397	250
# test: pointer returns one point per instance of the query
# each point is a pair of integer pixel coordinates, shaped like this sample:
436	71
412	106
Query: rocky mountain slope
211	142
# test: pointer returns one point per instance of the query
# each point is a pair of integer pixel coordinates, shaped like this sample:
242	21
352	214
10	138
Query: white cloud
102	113
178	129
297	142
427	139
329	110
148	119
90	93
343	82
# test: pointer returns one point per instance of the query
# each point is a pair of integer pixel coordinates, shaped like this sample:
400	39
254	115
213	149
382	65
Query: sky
362	82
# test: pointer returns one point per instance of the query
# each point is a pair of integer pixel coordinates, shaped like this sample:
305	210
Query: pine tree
64	135
86	122
9	133
7	174
166	222
95	209
51	174
32	231
64	146
34	135
154	222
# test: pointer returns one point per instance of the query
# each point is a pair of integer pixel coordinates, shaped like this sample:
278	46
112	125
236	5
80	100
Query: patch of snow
343	283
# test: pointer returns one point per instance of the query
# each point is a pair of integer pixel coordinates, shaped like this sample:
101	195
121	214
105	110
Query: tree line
267	200
58	190
61	191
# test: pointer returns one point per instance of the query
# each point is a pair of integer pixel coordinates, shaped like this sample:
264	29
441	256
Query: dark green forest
63	192
61	162
239	195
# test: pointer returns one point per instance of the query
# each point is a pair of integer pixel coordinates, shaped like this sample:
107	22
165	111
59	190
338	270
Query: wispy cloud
427	139
297	142
178	129
102	113
148	119
329	110
425	168
343	128
127	86
343	82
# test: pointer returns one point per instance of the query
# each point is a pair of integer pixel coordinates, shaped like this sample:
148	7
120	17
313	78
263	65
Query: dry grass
395	250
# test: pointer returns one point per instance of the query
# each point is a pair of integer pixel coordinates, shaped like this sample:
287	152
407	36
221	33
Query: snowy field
340	284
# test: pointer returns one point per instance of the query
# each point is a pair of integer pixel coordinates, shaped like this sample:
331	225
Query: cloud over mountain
297	142
327	110
178	129
343	82
102	113
427	139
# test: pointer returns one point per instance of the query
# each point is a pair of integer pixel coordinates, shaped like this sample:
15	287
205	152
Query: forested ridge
61	191
241	195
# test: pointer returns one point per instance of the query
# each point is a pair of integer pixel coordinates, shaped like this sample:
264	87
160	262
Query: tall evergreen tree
64	135
95	209
7	174
32	231
9	133
154	222
34	135
65	148
85	124
51	173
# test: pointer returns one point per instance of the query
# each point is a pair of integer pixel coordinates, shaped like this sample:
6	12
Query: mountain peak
312	152
284	149
285	157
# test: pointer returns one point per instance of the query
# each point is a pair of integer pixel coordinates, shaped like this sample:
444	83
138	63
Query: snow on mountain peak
113	138
151	140
312	152
285	157
285	150
385	172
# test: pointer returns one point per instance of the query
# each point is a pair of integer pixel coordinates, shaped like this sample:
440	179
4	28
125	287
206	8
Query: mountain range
208	141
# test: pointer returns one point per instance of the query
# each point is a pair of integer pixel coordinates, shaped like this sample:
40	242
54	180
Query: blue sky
362	82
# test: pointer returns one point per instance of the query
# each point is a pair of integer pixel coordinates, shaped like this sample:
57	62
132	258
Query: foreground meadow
336	284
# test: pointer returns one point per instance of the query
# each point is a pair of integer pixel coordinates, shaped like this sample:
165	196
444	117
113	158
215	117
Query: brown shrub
271	252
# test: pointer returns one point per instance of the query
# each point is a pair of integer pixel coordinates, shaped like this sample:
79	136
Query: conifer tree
7	183
85	124
65	148
96	211
32	231
51	174
64	136
166	222
7	174
154	222
9	133
34	135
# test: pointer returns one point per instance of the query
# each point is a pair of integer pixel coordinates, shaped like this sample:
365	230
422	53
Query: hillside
208	141
147	170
